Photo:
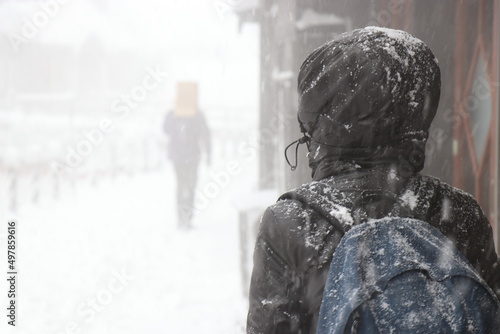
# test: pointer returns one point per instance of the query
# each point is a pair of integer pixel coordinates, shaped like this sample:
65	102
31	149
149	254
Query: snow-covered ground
109	258
101	252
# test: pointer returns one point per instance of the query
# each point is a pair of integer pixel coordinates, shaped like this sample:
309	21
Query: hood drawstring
304	139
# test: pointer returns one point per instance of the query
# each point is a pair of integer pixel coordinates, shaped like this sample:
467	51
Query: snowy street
148	146
84	171
108	258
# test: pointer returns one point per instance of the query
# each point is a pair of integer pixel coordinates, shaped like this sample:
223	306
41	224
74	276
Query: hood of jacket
368	97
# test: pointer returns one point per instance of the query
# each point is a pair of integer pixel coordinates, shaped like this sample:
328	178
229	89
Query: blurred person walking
189	135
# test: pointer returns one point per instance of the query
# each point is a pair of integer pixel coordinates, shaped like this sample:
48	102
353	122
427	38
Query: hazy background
84	89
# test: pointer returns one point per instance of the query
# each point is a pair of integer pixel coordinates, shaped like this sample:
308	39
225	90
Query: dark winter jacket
188	137
295	243
366	101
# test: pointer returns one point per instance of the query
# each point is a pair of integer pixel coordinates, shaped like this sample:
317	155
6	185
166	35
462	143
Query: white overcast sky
196	41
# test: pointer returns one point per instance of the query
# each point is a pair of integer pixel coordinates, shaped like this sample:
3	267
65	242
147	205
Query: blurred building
463	147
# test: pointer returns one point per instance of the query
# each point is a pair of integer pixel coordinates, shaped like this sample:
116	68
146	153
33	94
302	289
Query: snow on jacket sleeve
292	248
473	235
274	294
459	217
485	258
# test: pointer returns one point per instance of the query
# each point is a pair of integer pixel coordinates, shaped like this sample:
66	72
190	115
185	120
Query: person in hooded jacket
189	138
366	102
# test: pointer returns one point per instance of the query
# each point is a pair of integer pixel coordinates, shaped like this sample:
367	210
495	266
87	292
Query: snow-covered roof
311	18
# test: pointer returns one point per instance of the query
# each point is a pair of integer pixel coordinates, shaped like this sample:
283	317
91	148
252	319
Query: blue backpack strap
412	279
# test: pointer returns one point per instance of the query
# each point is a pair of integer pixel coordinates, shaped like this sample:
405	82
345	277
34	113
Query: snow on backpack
401	275
395	275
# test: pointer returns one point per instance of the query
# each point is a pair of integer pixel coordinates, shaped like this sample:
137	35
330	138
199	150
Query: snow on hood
372	89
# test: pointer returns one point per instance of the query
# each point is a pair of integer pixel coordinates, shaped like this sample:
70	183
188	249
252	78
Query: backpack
395	275
401	275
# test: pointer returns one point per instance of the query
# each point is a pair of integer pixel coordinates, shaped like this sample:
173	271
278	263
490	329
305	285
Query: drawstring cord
302	140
